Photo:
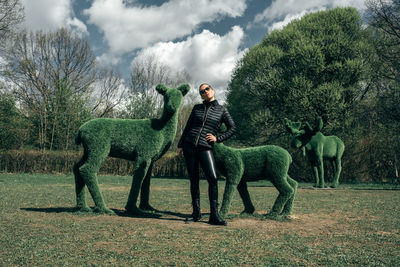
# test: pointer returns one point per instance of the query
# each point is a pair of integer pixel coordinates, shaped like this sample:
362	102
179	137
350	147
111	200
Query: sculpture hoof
273	216
103	210
83	209
248	211
285	217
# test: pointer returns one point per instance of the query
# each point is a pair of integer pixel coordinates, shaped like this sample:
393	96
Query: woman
197	142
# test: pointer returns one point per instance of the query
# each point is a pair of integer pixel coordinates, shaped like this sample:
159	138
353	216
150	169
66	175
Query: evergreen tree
313	67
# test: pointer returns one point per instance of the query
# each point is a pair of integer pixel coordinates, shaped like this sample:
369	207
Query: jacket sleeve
186	130
230	125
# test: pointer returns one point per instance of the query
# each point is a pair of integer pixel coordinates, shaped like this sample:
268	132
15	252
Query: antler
318	126
307	127
292	127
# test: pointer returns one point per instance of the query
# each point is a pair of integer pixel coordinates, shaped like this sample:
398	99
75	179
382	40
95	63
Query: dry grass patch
328	228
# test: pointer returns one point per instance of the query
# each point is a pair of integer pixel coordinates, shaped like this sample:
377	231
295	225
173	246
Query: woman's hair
206	84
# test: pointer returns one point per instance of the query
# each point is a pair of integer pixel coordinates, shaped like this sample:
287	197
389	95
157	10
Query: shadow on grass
51	210
156	214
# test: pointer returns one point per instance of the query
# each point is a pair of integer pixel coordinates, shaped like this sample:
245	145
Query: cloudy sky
203	37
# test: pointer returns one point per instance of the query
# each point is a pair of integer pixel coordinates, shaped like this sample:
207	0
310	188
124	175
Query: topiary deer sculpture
317	147
142	141
243	165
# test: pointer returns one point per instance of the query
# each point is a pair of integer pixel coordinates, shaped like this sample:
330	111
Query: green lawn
356	225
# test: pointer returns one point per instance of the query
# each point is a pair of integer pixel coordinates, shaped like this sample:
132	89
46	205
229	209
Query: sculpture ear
319	124
184	88
161	89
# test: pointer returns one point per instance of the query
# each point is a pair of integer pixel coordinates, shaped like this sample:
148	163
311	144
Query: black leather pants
205	158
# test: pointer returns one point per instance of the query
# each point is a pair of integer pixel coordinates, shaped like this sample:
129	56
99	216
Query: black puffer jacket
207	118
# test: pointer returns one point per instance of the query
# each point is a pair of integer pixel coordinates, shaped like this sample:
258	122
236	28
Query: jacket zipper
202	126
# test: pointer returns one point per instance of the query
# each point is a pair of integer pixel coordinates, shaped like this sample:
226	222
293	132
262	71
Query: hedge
29	161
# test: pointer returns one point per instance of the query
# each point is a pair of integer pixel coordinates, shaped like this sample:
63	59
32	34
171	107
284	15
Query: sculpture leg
88	172
287	209
244	194
139	172
316	176
228	195
286	191
320	165
145	191
338	170
80	186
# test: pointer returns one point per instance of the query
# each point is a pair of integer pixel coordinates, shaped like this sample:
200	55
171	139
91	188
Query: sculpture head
172	96
302	133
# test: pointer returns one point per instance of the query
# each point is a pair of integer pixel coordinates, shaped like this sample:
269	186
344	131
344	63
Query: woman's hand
180	151
211	138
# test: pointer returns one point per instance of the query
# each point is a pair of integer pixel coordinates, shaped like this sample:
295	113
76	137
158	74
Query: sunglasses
202	92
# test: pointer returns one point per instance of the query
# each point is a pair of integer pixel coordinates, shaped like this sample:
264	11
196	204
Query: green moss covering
142	141
240	166
317	147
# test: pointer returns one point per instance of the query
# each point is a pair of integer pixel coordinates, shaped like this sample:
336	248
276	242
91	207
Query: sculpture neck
169	122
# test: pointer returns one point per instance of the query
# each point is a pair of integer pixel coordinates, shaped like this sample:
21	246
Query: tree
14	127
144	101
313	67
11	15
45	65
67	111
384	20
108	94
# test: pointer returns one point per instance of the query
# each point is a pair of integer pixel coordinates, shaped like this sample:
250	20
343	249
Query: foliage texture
240	166
317	147
142	141
311	67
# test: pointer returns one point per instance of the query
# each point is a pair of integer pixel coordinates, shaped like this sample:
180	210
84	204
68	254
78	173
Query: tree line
337	64
332	64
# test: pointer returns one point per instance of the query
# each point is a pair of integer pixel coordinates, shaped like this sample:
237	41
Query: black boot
196	215
215	219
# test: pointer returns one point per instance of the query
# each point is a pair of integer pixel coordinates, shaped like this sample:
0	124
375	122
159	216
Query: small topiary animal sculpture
240	166
142	141
317	147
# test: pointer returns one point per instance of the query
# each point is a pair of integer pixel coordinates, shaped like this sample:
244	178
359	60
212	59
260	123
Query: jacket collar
213	103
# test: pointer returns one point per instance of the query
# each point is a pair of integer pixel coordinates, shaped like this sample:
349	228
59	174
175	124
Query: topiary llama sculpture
240	166
142	141
317	147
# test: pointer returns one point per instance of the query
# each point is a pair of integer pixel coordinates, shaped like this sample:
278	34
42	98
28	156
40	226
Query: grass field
354	225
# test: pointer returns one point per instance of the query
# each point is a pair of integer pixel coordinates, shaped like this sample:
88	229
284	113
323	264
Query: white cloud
50	15
281	12
206	57
288	18
128	26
